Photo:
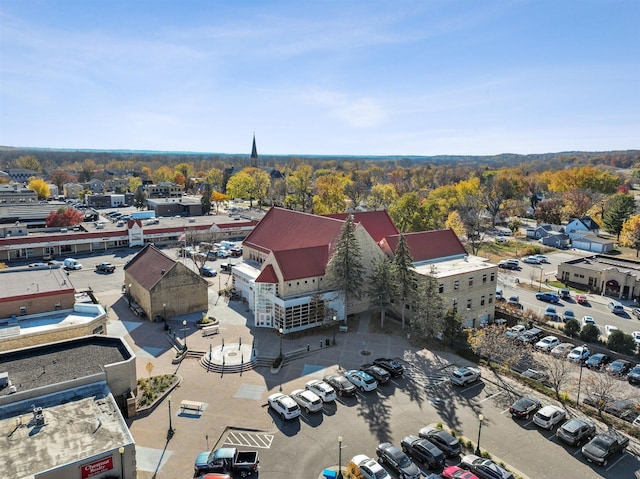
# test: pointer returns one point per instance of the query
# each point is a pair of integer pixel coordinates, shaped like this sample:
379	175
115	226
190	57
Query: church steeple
254	153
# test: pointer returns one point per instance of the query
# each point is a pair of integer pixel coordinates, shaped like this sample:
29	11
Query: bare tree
602	390
559	373
493	344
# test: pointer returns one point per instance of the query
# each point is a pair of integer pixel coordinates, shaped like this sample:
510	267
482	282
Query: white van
71	263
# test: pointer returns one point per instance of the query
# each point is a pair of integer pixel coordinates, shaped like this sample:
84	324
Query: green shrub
571	328
439	425
590	333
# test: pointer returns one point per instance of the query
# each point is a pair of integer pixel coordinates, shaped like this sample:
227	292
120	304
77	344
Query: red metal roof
267	275
282	230
377	223
428	245
303	262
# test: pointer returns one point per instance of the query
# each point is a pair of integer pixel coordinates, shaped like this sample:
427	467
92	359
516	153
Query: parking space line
579	449
506	410
491	397
619	459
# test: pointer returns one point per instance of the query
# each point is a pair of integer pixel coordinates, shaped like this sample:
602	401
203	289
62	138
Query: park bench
210	330
191	405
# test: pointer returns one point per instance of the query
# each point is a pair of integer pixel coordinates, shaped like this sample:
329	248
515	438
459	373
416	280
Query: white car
361	380
321	389
549	416
578	354
542	258
609	328
307	400
547	343
464	376
588	320
284	405
636	336
369	468
515	331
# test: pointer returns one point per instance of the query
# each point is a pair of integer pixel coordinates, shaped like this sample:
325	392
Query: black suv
398	461
379	373
391	365
423	451
341	384
619	367
634	375
597	361
442	440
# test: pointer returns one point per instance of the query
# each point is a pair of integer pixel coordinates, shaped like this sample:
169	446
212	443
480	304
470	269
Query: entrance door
265	320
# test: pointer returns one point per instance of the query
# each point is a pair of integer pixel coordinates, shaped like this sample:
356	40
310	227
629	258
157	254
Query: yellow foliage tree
630	234
40	187
455	223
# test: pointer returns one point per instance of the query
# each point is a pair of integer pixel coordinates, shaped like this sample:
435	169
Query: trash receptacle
327	342
329	474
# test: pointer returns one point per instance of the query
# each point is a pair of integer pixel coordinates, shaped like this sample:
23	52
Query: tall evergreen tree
404	278
619	208
429	318
206	199
140	199
345	265
381	287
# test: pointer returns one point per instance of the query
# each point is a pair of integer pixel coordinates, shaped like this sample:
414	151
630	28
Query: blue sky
321	77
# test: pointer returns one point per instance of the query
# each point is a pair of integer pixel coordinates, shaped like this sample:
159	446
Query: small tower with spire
254	153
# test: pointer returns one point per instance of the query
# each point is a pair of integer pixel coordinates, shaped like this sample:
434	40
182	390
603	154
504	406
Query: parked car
485	468
636	337
398	461
636	312
633	376
341	384
455	472
588	320
548	297
603	446
499	295
547	343
531	335
597	361
567	315
542	258
625	409
514	302
549	416
227	459
361	380
564	293
551	313
71	264
321	389
379	374
369	468
208	271
576	431
307	400
582	299
448	444
524	407
579	354
394	367
464	376
531	260
514	331
536	375
284	406
610	328
561	350
619	367
422	450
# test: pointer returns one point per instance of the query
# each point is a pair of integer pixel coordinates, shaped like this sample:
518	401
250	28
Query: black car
397	460
391	365
524	407
379	374
576	431
619	367
633	376
341	384
597	361
442	440
423	451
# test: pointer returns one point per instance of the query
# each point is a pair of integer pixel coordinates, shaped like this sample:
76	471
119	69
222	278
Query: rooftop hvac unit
39	418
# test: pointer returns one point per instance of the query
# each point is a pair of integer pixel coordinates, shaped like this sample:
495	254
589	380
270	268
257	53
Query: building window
455	305
490	298
484	278
470	281
468	304
441	288
58	306
23	310
493	277
456	285
482	301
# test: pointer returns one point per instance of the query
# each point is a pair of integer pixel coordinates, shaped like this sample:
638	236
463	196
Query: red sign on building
98	467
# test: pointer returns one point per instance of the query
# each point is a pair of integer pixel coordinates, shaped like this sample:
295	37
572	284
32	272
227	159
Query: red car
454	472
581	299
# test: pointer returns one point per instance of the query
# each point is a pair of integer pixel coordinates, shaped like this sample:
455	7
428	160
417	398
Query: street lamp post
130	292
334	330
170	431
164	311
280	331
184	332
540	283
579	384
480	419
121	451
339	457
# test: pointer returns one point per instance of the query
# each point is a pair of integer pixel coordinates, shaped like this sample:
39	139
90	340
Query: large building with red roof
284	273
